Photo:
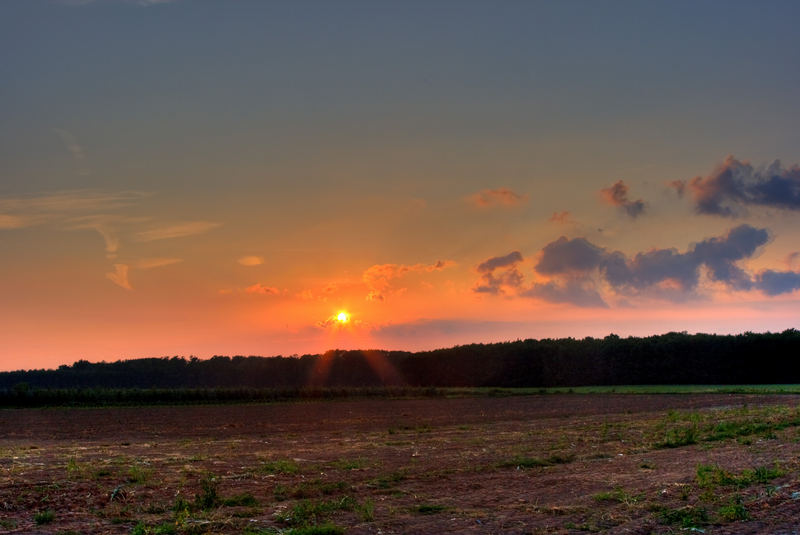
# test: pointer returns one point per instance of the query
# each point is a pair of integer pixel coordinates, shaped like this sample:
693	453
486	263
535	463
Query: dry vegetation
532	464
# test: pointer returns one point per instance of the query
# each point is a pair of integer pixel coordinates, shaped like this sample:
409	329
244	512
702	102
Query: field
551	463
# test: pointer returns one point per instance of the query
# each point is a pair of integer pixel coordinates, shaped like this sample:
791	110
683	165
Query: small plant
240	500
520	462
367	511
44	517
619	495
677	437
138	474
687	517
350	464
208	497
734	511
282	466
428	509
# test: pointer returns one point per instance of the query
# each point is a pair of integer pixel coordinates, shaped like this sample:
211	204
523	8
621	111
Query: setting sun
343	317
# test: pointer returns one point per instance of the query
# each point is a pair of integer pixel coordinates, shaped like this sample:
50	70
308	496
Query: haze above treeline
672	358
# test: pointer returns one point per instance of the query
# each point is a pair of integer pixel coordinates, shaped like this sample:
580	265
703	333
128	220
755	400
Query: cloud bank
578	270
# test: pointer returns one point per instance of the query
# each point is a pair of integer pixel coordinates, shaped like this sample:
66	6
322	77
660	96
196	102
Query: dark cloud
567	258
564	255
573	291
576	269
617	195
499	274
736	184
777	282
499	262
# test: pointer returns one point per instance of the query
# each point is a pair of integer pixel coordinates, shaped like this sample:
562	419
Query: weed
8	524
367	511
710	476
387	481
619	495
73	468
677	437
734	511
306	512
280	492
243	500
428	509
44	517
282	466
137	474
350	464
520	462
687	517
208	497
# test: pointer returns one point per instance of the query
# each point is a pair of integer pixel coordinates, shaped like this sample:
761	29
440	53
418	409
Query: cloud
500	274
38	209
496	197
565	256
617	195
561	217
260	289
777	282
576	270
120	276
574	291
424	329
647	269
71	143
11	221
150	263
177	230
251	261
72	210
792	258
378	278
734	185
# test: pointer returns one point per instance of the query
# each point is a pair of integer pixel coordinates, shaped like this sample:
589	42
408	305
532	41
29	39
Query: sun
343	317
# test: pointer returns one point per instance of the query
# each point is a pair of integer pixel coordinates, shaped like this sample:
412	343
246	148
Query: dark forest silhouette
673	358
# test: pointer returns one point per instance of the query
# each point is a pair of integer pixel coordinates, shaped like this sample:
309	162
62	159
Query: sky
203	178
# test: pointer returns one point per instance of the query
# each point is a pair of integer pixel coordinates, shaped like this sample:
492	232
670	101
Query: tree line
673	358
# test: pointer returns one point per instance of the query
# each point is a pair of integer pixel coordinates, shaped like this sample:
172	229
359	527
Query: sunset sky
219	178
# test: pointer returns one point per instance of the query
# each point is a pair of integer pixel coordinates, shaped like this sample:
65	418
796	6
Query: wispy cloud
175	230
378	278
250	261
43	208
150	263
120	276
261	289
496	197
75	148
617	195
735	185
561	218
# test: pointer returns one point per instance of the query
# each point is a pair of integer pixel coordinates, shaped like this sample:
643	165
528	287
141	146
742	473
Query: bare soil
528	464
